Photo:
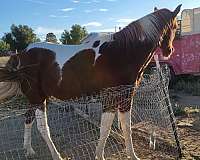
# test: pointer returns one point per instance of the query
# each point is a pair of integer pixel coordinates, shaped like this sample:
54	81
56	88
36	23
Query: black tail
9	74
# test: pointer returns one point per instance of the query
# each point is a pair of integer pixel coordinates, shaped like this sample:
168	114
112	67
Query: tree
74	36
50	37
65	37
4	47
20	37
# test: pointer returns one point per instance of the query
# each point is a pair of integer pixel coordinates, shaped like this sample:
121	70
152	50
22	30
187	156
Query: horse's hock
74	125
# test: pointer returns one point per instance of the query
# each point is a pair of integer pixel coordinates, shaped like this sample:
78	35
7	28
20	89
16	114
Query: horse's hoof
30	152
134	157
60	158
152	145
66	158
99	158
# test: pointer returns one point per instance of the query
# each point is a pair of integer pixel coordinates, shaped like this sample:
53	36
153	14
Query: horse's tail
9	89
9	85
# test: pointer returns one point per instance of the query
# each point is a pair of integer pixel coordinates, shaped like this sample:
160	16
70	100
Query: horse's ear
155	9
177	10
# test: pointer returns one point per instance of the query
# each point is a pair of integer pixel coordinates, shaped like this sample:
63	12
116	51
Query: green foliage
4	47
51	37
183	110
65	37
76	34
19	37
179	112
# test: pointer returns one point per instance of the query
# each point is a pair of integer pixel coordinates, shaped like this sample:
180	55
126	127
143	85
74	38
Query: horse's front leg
125	119
29	119
42	125
106	123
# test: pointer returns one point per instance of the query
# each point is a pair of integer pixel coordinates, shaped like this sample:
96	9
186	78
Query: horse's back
64	52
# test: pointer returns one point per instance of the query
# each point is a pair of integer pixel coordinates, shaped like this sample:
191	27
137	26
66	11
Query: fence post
169	107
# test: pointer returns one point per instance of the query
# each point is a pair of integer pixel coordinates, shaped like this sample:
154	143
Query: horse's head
169	34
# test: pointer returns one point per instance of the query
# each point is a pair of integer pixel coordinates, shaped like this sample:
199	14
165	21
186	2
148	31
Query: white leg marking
43	128
152	139
27	139
125	119
106	123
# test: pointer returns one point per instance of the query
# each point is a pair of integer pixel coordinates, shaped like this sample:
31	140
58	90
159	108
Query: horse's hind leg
152	139
42	125
29	119
106	123
125	118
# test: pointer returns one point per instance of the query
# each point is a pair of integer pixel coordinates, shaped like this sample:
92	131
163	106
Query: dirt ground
189	126
190	139
188	133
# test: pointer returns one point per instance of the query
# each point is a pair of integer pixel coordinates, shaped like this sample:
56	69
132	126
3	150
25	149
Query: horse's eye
96	44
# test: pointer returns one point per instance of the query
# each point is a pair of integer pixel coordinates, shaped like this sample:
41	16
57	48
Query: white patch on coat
125	119
64	52
42	125
106	123
27	140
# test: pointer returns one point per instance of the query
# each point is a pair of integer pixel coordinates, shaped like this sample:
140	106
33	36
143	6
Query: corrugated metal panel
190	21
196	22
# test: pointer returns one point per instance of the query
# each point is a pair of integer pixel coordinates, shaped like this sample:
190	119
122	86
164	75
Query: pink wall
186	57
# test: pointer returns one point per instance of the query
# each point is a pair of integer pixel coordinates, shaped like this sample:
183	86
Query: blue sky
97	15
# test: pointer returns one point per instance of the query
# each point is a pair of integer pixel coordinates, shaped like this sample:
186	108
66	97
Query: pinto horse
100	62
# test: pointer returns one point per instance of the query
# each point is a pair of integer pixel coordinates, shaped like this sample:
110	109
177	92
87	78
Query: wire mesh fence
74	124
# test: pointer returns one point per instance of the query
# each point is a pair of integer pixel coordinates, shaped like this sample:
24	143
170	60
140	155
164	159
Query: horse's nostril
171	50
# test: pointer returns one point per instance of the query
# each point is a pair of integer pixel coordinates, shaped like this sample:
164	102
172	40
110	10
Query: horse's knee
29	116
125	120
126	129
41	122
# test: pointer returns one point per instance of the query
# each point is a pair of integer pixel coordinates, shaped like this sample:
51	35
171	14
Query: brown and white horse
102	62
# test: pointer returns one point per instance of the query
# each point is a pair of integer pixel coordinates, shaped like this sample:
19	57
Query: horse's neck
151	30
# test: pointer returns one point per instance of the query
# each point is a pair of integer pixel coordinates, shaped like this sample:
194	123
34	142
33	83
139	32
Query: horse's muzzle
167	53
